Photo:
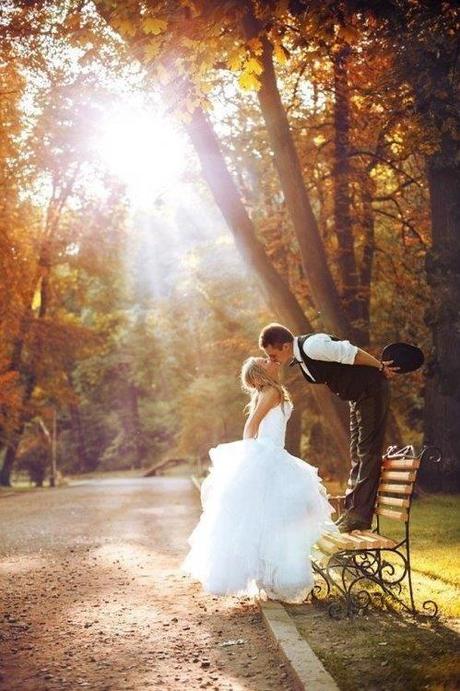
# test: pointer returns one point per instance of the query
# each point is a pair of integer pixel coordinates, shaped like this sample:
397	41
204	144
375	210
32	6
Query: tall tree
286	160
424	36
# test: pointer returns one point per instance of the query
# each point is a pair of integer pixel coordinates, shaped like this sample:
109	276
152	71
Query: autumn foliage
323	163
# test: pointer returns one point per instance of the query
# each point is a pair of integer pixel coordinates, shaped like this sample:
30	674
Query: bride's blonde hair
254	378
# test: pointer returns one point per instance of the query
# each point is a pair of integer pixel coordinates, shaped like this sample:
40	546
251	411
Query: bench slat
398	475
401	463
347	540
396	489
384	541
339	539
389	513
392	501
356	541
327	546
331	543
374	540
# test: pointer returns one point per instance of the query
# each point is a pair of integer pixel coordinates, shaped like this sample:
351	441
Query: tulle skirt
263	510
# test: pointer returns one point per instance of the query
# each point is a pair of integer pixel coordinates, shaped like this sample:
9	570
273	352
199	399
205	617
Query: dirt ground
92	597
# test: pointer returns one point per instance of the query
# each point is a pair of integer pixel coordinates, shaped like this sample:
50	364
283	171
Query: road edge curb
307	669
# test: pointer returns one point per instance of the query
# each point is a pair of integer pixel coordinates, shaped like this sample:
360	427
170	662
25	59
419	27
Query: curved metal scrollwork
317	592
430	609
337	609
389	569
359	601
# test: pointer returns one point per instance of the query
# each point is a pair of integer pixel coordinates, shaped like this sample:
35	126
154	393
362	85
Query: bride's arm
268	399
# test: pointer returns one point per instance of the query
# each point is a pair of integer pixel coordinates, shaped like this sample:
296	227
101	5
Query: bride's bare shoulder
270	394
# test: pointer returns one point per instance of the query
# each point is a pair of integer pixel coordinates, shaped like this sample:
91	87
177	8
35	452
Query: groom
354	376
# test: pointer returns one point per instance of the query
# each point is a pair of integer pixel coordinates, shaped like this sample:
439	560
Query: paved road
91	596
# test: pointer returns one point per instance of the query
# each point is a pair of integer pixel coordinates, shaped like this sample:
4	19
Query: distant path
91	596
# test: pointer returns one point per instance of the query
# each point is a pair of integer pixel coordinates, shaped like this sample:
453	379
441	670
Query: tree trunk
286	160
367	262
136	426
10	457
442	392
278	294
350	286
226	195
17	364
77	430
438	105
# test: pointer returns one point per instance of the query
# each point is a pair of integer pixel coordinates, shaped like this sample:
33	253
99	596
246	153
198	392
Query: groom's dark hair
275	335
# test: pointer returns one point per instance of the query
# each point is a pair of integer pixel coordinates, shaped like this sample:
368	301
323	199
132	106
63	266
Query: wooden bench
366	564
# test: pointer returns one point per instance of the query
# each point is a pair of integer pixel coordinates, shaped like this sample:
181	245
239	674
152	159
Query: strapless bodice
273	425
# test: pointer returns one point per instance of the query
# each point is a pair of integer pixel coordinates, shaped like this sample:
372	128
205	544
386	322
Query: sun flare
145	151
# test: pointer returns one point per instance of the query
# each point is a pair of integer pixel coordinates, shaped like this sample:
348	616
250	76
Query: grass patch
435	533
381	651
435	547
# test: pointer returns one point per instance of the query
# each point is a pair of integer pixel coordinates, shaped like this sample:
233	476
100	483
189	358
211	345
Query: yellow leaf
124	27
280	53
254	66
154	25
319	139
235	59
37	299
206	87
249	81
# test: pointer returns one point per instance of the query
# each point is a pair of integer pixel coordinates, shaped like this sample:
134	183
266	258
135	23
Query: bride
263	509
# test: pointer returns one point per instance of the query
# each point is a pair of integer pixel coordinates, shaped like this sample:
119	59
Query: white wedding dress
263	510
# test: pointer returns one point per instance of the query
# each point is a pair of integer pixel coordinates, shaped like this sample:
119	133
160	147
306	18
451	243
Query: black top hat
405	356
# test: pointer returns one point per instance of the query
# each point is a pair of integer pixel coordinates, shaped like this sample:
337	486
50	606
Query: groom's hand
388	370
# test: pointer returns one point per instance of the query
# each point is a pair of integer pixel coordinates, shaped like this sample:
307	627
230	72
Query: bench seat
356	540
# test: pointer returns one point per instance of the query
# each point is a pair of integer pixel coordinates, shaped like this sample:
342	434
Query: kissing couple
263	509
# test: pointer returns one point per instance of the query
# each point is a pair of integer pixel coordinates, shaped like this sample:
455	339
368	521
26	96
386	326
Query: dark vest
349	382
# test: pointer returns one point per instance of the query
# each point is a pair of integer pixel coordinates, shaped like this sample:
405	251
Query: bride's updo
254	378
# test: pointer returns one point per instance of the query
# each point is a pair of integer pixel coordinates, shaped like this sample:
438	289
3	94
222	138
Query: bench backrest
397	481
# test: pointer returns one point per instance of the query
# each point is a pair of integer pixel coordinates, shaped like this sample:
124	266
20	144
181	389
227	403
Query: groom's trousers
368	417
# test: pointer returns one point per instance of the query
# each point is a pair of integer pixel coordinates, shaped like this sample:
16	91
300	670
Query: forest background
174	175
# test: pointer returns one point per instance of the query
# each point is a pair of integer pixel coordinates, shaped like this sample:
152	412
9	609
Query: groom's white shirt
320	346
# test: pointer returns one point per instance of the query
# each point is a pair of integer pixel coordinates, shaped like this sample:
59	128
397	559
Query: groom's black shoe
349	524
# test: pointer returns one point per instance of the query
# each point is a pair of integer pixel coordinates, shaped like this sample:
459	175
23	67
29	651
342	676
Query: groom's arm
321	346
385	366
